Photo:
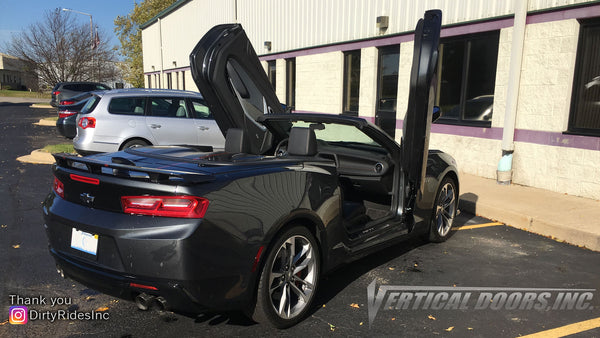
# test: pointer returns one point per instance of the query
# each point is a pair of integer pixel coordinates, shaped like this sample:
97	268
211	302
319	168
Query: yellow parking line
567	329
476	226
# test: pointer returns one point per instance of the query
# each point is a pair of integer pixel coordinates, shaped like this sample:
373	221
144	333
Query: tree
59	49
128	30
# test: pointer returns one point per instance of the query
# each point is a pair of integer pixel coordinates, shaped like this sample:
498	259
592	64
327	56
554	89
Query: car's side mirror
437	113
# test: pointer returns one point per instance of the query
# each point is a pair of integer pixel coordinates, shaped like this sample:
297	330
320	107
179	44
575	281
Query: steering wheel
281	149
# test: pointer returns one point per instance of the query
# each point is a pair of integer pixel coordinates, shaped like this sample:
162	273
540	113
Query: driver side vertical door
229	75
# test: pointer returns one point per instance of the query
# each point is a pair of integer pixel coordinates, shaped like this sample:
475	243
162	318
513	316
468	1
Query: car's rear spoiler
130	170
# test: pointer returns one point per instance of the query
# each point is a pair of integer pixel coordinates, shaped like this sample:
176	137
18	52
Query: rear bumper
176	293
67	127
181	259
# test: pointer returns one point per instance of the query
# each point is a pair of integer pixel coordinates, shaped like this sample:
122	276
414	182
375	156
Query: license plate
84	241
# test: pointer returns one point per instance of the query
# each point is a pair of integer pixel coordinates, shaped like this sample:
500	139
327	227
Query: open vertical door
417	122
229	75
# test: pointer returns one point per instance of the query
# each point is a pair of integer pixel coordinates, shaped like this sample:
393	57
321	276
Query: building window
351	82
169	81
177	80
467	77
290	87
149	81
584	117
183	80
271	65
387	88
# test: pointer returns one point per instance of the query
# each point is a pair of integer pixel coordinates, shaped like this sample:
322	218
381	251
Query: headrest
302	142
235	141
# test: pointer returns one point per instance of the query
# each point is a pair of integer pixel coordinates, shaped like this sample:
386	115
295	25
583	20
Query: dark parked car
255	226
66	90
67	114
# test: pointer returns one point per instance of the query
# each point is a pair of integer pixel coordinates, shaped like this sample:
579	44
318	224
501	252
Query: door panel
208	131
170	122
417	122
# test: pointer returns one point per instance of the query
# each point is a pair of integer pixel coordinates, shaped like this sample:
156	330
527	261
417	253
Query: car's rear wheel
135	143
446	202
289	279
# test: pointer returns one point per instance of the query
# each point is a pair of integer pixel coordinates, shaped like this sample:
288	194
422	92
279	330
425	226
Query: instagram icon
18	315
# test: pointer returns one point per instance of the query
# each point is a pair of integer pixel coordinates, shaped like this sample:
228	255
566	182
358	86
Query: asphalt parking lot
481	258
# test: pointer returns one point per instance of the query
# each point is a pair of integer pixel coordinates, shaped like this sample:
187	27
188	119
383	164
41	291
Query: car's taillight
63	114
66	102
87	122
59	188
166	206
56	92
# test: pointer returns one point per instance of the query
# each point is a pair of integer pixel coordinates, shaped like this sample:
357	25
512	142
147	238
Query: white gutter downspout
512	93
161	52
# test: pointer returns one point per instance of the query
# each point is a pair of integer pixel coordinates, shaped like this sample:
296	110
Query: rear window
127	106
201	111
71	87
168	107
90	105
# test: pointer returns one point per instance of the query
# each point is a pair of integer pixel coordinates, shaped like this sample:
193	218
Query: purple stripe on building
547	138
573	13
557	139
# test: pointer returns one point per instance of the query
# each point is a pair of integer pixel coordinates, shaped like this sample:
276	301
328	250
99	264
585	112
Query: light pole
91	25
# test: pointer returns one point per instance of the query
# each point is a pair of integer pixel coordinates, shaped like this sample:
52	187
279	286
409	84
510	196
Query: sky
16	16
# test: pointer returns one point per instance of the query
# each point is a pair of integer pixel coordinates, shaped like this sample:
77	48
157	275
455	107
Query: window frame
290	83
347	78
577	80
465	66
272	73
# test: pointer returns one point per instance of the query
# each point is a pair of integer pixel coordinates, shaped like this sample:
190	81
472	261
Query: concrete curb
555	230
40	105
37	157
46	122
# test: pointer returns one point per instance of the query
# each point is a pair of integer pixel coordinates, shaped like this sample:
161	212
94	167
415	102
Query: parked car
66	90
67	114
124	118
253	227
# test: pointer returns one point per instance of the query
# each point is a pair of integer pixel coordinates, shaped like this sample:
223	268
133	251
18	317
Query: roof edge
163	13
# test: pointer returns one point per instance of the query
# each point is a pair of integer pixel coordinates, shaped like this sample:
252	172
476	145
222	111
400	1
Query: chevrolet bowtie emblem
87	198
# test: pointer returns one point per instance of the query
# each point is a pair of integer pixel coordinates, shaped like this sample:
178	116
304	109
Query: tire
444	211
292	294
134	143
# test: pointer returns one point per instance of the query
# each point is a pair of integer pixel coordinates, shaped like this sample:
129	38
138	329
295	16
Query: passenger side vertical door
170	121
208	131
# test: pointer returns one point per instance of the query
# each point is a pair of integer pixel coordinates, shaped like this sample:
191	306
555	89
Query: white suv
122	118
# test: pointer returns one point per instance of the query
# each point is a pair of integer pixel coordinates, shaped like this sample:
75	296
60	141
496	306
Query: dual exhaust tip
143	301
146	302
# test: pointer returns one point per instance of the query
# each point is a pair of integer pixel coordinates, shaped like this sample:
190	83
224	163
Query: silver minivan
122	118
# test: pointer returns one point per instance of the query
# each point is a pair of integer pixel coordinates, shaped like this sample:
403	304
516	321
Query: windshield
339	135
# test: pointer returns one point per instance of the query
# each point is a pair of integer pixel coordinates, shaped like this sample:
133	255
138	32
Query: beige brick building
354	57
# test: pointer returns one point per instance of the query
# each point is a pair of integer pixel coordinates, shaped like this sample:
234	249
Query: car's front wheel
289	279
446	202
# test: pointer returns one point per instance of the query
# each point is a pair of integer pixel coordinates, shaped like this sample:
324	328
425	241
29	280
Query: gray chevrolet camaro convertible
253	227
